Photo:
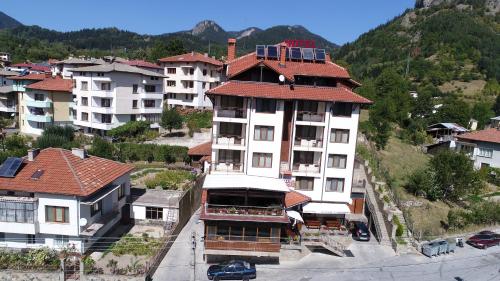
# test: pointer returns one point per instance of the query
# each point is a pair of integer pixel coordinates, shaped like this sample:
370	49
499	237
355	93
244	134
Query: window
121	191
153	118
135	88
83	73
133	117
30	239
306	132
229	156
204	72
84	86
85	101
17	212
203	85
96	208
105	86
150	88
134	103
154	213
334	185
39	97
342	109
105	118
265	105
154	78
173	96
262	160
74	84
61	240
467	149
189	97
85	116
308	106
171	83
100	74
229	102
40	125
263	133
57	214
105	102
339	136
337	161
191	71
171	70
485	152
230	129
149	103
188	84
304	183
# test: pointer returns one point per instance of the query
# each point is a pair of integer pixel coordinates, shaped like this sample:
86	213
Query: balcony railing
39	118
228	167
235	245
39	103
305	142
231	112
230	139
310	116
243	210
306	168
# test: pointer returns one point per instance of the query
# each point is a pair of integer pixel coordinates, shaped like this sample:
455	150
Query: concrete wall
10	275
61	101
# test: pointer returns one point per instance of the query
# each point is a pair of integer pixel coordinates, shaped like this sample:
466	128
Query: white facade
300	158
106	100
187	83
36	231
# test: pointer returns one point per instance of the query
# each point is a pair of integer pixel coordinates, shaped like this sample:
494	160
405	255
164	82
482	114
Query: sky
337	21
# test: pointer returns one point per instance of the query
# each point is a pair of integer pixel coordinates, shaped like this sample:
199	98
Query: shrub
200	119
35	259
129	130
171	179
57	136
399	226
151	152
102	148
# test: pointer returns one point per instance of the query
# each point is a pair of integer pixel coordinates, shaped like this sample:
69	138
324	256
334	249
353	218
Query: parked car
484	239
233	270
360	231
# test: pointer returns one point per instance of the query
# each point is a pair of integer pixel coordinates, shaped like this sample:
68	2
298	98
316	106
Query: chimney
283	47
231	49
79	152
206	55
327	57
32	153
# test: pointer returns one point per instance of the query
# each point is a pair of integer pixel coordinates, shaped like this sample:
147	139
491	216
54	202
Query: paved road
370	262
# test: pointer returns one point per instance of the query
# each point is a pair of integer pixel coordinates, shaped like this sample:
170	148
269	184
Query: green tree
171	119
379	126
102	148
393	89
496	106
482	112
455	111
130	129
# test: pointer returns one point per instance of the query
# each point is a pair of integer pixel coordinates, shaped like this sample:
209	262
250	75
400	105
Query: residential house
29	67
64	67
189	77
5	59
57	198
110	95
483	147
200	156
444	136
155	206
8	96
46	102
286	119
495	122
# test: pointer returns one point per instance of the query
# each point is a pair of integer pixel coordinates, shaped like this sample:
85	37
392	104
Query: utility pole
193	245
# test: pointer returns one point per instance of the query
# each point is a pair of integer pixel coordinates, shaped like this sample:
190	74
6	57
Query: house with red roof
190	75
61	199
483	147
283	145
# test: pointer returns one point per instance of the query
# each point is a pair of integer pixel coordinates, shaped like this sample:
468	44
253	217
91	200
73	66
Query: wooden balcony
248	246
243	210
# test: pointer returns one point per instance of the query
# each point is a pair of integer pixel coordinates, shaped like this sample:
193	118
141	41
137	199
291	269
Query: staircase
402	220
327	242
376	212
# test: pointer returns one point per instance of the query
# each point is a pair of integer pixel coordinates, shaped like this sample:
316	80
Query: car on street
484	239
360	231
232	270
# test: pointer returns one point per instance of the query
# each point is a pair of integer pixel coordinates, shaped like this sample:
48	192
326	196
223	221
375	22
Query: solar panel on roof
272	52
10	167
260	50
320	54
295	53
307	53
37	174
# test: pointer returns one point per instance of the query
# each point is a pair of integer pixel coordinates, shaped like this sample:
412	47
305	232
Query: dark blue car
233	270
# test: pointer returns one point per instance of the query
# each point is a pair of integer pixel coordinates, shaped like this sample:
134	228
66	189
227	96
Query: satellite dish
83	221
281	78
75	99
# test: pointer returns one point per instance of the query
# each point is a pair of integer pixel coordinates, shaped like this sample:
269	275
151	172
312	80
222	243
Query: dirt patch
471	88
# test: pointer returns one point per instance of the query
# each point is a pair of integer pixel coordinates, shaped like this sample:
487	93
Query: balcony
223	244
306	168
230	140
103	110
228	167
232	210
231	112
309	116
308	143
39	118
39	104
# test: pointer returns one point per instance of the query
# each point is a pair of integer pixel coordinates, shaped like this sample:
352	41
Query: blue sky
337	21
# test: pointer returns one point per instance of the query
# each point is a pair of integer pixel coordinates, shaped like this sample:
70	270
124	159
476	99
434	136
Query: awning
326	208
100	195
295	215
244	182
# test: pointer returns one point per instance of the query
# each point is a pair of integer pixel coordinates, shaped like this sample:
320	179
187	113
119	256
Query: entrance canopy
326	208
295	215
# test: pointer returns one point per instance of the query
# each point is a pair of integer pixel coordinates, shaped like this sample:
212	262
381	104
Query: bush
171	179
36	259
200	119
57	136
171	119
102	148
399	226
137	246
132	129
479	213
151	152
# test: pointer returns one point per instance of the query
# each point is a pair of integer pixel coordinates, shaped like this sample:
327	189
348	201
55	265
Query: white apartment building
64	68
38	209
189	77
8	97
110	95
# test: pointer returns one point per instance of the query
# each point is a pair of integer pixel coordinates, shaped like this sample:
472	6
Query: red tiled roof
291	68
142	63
488	135
294	198
192	57
31	66
204	149
276	91
31	76
56	84
65	173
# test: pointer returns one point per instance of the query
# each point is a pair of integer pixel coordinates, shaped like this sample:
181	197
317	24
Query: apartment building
145	65
64	67
8	97
110	95
57	198
43	103
189	77
285	121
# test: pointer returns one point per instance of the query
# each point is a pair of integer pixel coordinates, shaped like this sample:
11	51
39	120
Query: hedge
151	152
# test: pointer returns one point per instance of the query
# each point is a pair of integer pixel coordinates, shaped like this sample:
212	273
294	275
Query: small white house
155	206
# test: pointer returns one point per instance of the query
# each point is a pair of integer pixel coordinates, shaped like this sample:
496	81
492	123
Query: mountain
8	22
439	41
